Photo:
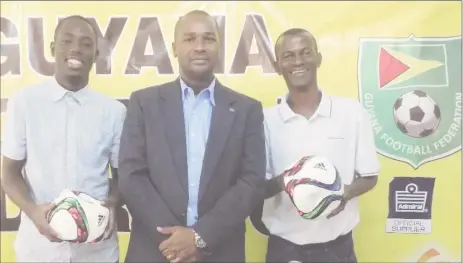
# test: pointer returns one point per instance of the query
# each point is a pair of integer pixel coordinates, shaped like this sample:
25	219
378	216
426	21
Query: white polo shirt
339	130
68	138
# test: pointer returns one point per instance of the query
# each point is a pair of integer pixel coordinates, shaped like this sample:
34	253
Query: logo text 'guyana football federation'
411	88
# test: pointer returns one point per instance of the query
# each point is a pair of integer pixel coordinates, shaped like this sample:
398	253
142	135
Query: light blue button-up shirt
197	111
68	138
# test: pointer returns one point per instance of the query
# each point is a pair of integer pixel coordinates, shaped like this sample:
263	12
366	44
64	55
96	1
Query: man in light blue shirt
64	135
197	112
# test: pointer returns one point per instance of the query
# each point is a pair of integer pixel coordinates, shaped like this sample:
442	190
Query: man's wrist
201	245
114	199
281	182
347	196
29	208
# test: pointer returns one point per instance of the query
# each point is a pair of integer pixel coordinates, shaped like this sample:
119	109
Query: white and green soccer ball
78	218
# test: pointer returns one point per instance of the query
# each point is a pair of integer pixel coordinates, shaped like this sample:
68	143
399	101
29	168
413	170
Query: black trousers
339	250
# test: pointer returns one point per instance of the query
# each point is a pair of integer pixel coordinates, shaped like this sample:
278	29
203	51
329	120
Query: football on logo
416	114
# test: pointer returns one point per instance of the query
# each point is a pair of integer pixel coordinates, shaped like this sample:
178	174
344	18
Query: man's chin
74	77
202	73
300	85
75	73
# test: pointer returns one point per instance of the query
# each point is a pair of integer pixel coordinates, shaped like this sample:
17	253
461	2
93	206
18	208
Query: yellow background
338	27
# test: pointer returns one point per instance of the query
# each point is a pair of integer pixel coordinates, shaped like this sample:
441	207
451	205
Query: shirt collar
209	90
58	92
323	110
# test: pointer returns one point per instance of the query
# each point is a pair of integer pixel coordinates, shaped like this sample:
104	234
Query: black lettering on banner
6	223
149	30
36	47
254	27
107	41
10	51
221	23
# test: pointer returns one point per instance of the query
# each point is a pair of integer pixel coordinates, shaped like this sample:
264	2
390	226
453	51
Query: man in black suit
192	158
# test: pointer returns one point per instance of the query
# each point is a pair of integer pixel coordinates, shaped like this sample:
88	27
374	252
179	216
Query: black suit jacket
153	170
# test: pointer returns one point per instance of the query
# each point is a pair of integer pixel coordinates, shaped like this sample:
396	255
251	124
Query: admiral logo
411	200
410	203
410	208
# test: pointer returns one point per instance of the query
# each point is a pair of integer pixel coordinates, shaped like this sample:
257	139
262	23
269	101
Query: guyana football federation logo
411	88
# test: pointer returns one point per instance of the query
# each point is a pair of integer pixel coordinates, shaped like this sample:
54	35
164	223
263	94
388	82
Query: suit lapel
223	116
175	128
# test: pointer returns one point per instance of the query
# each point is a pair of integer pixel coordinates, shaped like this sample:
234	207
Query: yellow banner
414	214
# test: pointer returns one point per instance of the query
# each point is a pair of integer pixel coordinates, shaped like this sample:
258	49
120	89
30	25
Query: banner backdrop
402	60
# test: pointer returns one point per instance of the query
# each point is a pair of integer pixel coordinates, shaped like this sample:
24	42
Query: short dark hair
62	21
292	32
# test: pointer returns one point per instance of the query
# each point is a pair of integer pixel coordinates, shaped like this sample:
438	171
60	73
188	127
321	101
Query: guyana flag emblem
411	88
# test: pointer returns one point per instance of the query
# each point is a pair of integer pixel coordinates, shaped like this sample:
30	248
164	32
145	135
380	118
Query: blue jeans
339	250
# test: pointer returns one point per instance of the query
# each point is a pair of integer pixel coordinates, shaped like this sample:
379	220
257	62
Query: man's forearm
145	204
221	222
15	186
114	193
274	186
359	186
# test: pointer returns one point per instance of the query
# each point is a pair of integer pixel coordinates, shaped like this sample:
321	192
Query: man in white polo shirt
60	134
308	121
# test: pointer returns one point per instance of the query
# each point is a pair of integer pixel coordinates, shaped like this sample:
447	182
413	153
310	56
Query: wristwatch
201	244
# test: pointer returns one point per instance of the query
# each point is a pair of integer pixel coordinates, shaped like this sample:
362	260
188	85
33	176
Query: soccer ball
416	114
78	218
314	186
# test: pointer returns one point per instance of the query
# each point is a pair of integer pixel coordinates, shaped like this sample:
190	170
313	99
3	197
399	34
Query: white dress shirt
68	139
339	130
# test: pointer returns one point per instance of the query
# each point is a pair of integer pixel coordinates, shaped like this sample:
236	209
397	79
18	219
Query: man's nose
75	48
199	45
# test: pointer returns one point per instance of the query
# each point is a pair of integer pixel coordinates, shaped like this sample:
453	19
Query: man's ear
97	53
52	48
319	59
174	51
276	67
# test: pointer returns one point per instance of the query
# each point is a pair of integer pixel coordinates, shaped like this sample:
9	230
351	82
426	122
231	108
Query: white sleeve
366	159
270	171
118	125
14	128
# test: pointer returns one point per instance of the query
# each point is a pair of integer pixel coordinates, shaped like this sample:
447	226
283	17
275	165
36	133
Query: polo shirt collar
323	109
